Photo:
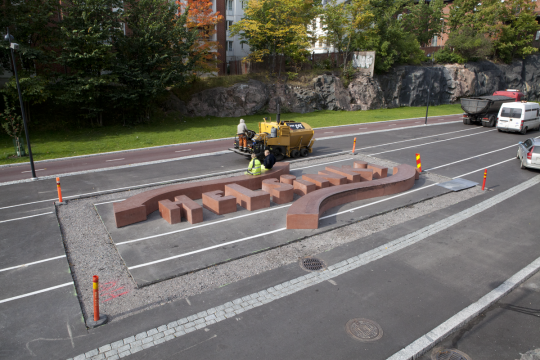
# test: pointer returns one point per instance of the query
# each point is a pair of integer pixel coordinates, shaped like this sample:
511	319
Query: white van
519	117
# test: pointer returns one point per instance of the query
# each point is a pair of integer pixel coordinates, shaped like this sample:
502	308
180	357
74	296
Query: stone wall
403	86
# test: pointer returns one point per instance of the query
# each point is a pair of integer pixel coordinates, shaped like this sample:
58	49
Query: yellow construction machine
282	138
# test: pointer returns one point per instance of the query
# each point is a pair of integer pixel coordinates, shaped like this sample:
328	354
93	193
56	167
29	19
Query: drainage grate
449	354
312	264
364	329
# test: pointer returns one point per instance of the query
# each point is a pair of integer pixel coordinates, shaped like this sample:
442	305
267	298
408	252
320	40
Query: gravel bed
91	251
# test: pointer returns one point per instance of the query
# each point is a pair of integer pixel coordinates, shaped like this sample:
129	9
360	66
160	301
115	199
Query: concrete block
280	193
219	204
248	199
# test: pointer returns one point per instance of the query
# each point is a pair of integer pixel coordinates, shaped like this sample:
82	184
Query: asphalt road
172	152
408	292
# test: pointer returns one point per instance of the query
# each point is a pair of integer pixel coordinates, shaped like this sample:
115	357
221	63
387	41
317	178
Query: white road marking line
205	249
27	171
202	225
183	150
472	157
293	286
429	340
108	202
33	263
26	217
329	132
35	292
44	192
433	142
115	159
485	167
330	162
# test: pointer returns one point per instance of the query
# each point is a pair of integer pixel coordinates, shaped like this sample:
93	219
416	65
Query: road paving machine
282	138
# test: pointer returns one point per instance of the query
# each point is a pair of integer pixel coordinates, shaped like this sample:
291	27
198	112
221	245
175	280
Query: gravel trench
91	251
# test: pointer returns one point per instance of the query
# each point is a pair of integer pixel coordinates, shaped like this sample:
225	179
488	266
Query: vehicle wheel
304	152
295	154
499	130
278	154
523	131
467	121
492	121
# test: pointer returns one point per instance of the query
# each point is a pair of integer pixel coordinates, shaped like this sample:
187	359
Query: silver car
529	153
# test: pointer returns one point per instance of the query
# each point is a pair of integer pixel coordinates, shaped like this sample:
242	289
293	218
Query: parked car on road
529	153
519	117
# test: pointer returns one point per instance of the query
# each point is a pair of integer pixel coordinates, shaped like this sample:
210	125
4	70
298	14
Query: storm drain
449	354
364	329
312	264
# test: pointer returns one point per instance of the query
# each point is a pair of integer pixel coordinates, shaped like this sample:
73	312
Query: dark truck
484	109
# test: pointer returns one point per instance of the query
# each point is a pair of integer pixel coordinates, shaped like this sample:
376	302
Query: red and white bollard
484	183
98	319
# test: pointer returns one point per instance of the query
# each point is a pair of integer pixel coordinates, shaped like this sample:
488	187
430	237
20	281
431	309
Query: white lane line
328	132
115	159
36	292
27	171
205	249
33	263
472	157
326	163
202	225
433	142
160	182
26	217
294	286
438	334
49	191
485	167
183	150
108	202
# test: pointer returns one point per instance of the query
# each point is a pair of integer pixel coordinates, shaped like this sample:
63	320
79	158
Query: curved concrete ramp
138	207
305	212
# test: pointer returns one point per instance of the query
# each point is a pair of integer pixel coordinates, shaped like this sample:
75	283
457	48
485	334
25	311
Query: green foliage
11	121
424	20
447	56
388	37
152	58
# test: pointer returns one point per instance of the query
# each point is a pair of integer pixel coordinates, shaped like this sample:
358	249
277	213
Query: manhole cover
449	354
312	264
364	330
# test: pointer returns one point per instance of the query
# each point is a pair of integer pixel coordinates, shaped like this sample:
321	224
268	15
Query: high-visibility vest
254	167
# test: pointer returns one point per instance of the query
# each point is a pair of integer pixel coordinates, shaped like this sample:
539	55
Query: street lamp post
13	46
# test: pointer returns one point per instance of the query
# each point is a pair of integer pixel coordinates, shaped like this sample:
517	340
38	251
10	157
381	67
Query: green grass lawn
172	129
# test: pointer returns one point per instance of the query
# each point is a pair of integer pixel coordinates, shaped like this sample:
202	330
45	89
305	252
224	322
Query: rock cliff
403	86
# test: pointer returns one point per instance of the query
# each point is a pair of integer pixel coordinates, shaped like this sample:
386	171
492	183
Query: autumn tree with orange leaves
201	17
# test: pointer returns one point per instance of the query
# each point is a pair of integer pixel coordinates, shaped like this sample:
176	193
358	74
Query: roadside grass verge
174	129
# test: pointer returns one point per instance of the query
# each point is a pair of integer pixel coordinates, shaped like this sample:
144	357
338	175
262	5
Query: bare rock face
402	86
237	100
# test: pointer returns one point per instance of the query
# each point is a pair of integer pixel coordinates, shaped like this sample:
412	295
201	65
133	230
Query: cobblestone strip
172	330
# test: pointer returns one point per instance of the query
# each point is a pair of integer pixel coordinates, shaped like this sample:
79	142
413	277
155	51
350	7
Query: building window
228	24
229	5
320	42
400	16
243	4
537	35
434	41
229	46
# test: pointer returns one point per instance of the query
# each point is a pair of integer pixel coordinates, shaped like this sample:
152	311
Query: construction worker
254	167
269	160
242	139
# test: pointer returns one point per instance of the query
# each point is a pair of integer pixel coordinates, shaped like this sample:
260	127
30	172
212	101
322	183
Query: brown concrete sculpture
248	199
182	207
219	204
303	187
280	193
305	212
138	207
287	179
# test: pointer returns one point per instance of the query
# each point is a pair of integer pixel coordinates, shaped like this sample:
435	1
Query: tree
202	19
388	37
340	33
273	27
13	125
88	31
424	20
154	54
